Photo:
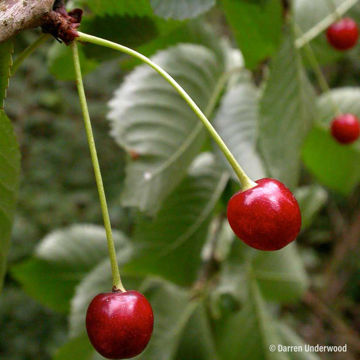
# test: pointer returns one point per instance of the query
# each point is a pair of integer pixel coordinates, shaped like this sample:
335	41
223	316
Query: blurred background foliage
309	292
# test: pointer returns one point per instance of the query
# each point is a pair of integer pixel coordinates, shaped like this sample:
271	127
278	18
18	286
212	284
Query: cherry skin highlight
266	217
343	34
119	324
345	128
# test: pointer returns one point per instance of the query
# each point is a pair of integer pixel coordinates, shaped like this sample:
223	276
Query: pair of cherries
266	217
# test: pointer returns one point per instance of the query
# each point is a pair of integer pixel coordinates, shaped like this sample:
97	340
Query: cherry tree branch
18	15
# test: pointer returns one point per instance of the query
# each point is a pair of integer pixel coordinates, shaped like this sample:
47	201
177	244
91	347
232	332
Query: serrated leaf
170	245
249	333
286	114
237	122
6	50
280	274
311	199
181	9
256	26
335	166
9	182
60	262
151	120
60	62
120	7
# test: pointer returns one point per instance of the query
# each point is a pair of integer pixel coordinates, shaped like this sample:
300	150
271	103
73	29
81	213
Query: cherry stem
246	182
117	284
28	51
324	86
324	23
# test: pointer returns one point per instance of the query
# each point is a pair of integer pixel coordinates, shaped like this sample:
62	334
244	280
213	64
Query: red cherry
345	128
119	324
265	217
343	34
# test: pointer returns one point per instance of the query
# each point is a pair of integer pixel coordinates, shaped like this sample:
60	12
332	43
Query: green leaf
60	262
249	333
6	50
256	26
280	274
60	62
78	348
52	286
170	245
79	246
197	328
311	199
237	121
151	120
286	114
119	7
172	310
335	166
181	9
230	292
9	182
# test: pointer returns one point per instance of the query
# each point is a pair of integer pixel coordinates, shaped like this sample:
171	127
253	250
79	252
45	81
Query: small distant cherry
265	217
119	324
345	128
343	34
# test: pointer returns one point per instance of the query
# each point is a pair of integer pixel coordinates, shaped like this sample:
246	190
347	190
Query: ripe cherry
343	34
119	324
265	217
345	128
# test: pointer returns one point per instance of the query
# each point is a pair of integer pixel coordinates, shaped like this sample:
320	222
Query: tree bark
17	15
